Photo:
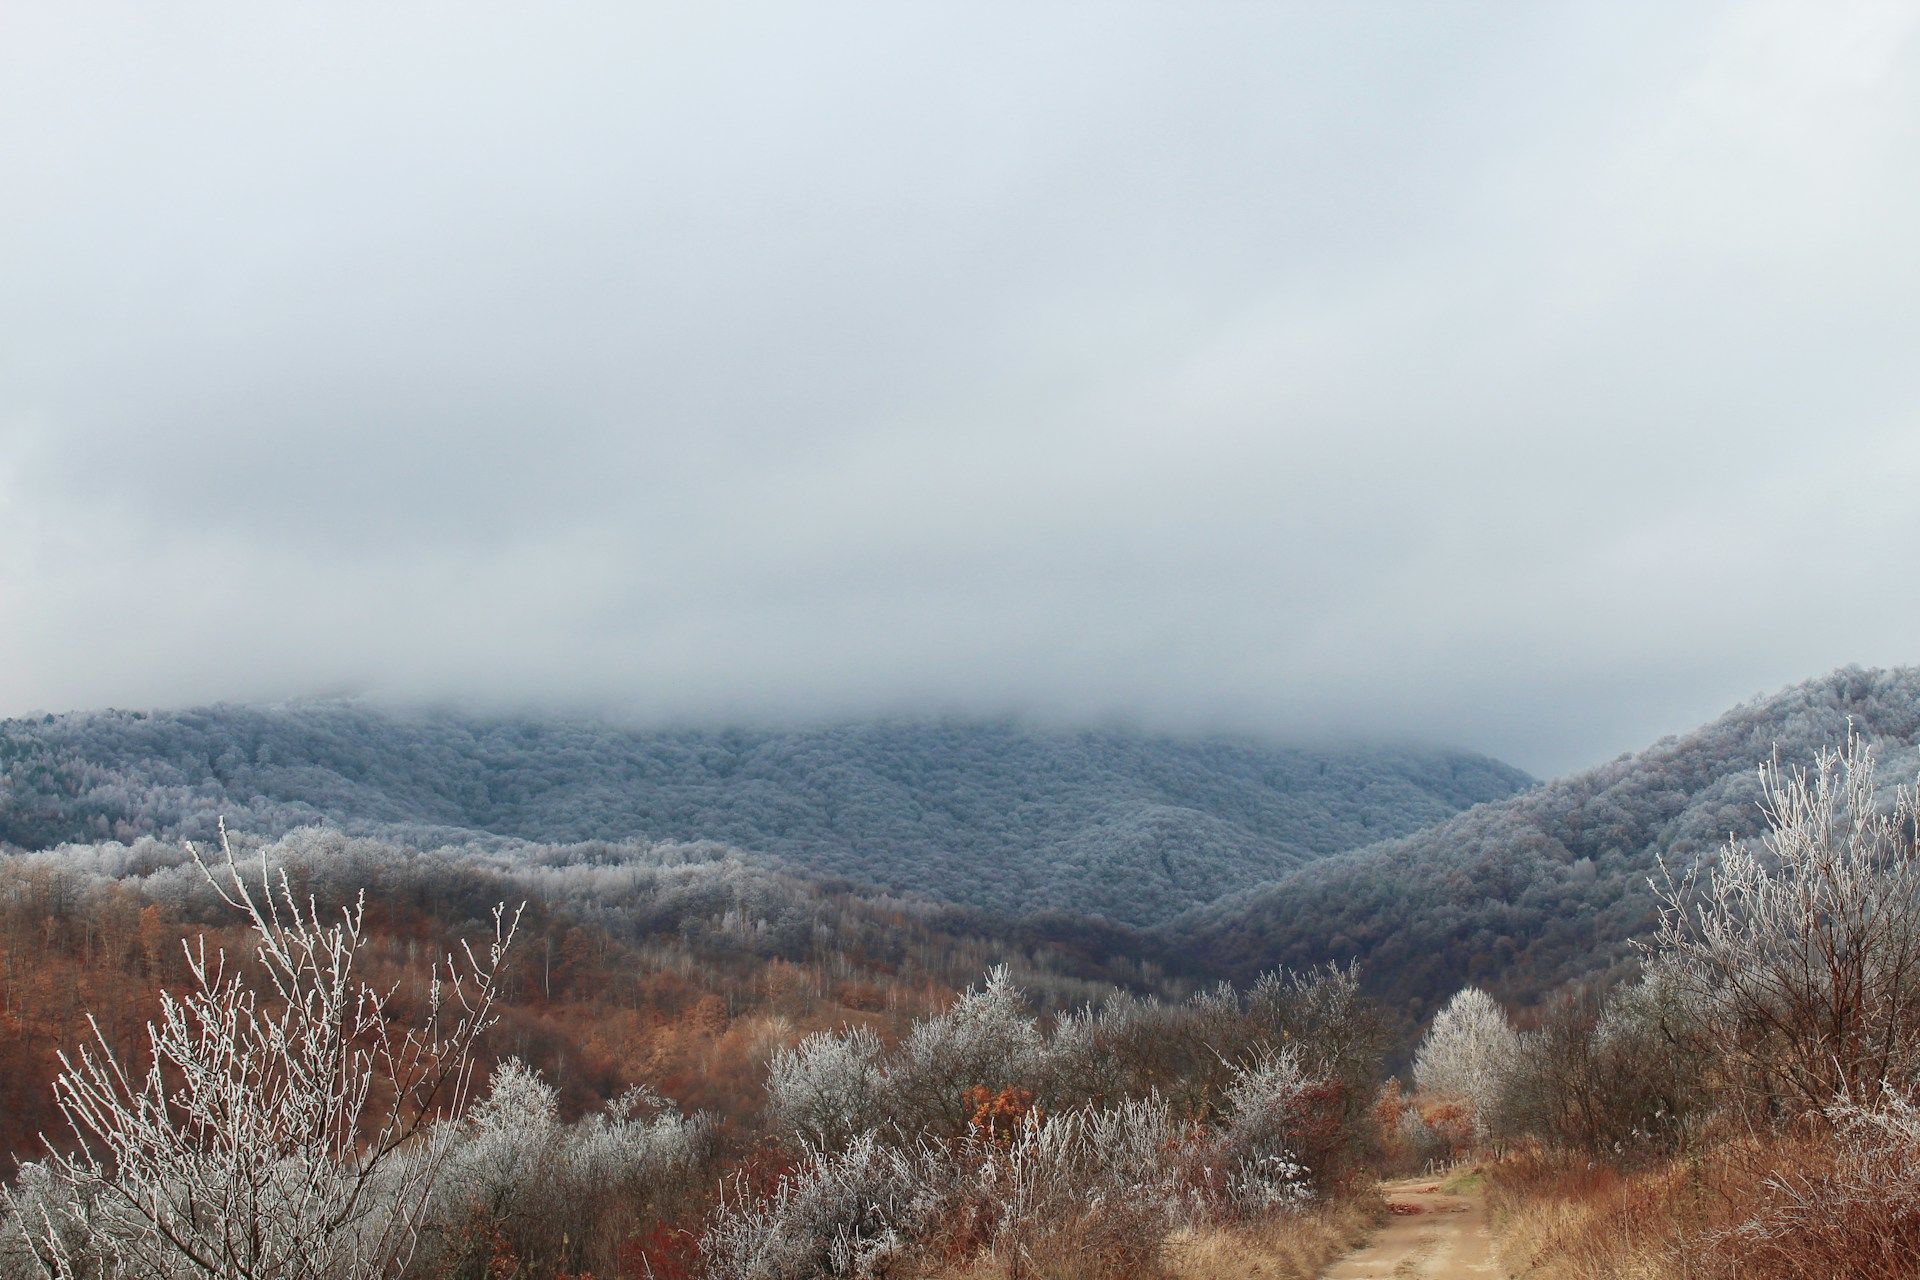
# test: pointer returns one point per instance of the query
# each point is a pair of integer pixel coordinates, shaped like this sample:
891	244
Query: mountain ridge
1548	886
994	815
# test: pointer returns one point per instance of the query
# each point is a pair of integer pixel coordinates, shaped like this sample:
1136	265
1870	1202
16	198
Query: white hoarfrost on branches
833	1085
1093	1182
283	1129
1799	954
987	1038
956	1158
516	1173
1857	1207
1112	1178
847	1213
1468	1053
1255	1150
1106	1181
828	1087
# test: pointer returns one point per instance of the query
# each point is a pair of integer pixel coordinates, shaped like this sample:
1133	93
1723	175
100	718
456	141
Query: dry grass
1578	1221
1723	1215
1295	1246
1290	1247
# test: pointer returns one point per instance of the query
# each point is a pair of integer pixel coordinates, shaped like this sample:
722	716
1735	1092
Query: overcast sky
1537	378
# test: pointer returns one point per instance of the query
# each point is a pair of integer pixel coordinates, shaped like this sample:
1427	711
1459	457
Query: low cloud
1535	381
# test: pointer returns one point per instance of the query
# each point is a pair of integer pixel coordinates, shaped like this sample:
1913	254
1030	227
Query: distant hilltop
1550	886
994	815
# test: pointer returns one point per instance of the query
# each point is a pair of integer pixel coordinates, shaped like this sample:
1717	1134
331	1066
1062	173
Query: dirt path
1447	1239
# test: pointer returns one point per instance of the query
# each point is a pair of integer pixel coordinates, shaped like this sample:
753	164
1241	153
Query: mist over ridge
1258	367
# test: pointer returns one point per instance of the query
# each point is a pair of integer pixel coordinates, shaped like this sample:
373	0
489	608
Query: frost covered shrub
1468	1053
1128	1161
520	1184
1257	1149
1087	1055
284	1124
852	1213
987	1038
828	1087
1857	1215
1419	1140
1129	1047
1614	1078
1086	1191
833	1085
1089	1191
981	1134
1092	1191
40	1204
1798	954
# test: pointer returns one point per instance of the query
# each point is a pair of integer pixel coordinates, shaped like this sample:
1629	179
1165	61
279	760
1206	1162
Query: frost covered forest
990	815
1551	886
1664	1011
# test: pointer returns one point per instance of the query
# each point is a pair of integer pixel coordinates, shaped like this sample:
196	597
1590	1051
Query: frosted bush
1128	1168
851	1213
39	1204
1797	953
514	1173
1856	1213
1255	1154
1089	1181
283	1125
511	1144
637	1138
1418	1135
828	1087
987	1038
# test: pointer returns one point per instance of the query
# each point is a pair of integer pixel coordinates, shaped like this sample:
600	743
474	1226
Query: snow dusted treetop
1468	1053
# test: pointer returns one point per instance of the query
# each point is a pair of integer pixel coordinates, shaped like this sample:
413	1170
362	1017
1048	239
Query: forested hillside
1550	885
996	815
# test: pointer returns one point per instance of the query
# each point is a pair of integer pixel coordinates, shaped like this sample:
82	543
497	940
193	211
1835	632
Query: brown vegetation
1733	1211
1040	1136
1296	1247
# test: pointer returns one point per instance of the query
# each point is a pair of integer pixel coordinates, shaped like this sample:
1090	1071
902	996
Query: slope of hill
996	816
1550	885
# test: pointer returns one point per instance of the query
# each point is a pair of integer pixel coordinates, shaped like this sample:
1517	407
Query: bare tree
1799	956
283	1128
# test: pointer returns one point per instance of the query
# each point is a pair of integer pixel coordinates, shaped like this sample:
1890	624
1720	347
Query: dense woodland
1550	886
998	816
